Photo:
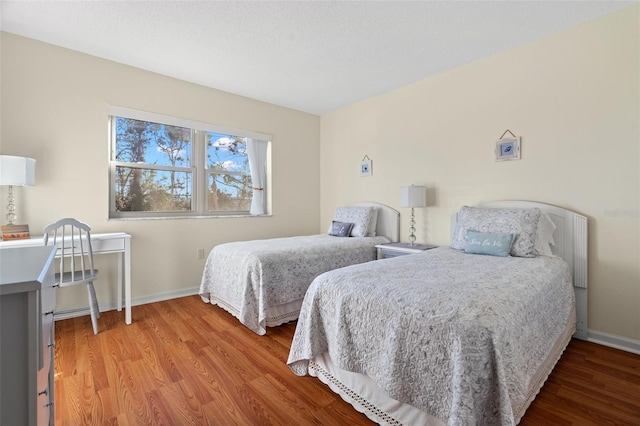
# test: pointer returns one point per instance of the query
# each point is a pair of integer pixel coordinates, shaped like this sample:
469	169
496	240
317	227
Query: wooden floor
183	362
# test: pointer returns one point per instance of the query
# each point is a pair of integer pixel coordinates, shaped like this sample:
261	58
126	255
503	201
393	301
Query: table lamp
15	171
413	196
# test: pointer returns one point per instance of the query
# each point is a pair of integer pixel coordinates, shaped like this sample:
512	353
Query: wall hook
505	132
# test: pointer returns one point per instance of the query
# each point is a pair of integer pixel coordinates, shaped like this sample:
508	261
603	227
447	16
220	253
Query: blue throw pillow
340	229
491	243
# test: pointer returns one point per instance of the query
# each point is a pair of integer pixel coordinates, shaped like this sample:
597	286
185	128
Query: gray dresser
27	302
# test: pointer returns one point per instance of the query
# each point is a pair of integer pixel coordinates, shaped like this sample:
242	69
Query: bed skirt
276	315
366	397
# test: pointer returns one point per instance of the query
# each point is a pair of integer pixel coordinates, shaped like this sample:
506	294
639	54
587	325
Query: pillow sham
340	229
490	243
360	217
521	222
544	236
371	230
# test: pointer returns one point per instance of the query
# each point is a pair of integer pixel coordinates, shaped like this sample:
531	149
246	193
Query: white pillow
371	231
361	217
522	222
544	236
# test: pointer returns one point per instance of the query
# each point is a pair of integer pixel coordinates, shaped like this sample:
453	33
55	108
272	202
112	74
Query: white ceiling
313	56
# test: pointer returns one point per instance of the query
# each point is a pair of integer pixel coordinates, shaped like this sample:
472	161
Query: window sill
226	216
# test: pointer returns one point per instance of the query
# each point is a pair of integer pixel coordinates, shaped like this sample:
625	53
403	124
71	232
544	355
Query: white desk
116	242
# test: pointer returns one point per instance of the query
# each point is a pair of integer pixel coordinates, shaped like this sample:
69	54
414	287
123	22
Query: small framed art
508	149
365	168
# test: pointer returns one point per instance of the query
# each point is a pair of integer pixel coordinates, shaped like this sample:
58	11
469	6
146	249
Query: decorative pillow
371	231
491	243
522	222
544	236
360	217
340	229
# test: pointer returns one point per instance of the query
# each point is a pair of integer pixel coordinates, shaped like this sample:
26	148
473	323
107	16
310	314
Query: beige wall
572	97
54	109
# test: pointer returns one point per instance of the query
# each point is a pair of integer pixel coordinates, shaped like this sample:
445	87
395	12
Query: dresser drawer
47	308
44	386
44	404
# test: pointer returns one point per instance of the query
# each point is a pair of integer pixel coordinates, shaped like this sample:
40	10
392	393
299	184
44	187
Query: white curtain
257	153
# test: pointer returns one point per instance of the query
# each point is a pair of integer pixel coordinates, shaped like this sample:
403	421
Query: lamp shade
413	196
17	171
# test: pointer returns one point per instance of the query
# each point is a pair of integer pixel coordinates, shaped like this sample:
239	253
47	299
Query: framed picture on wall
508	149
365	168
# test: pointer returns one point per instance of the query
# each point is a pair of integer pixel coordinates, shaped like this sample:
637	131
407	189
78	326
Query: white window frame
198	168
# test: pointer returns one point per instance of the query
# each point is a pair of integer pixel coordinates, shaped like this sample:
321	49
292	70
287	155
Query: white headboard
570	239
388	220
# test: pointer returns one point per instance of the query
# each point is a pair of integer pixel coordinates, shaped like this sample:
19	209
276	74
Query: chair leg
95	300
93	307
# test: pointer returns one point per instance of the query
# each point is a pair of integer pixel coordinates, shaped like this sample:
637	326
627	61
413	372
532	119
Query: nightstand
388	250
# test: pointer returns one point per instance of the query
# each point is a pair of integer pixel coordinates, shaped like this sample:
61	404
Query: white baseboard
618	342
143	300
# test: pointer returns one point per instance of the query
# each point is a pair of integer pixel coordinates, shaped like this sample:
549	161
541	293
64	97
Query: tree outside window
157	169
229	178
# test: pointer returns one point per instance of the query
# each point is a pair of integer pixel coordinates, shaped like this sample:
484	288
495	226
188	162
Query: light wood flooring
184	362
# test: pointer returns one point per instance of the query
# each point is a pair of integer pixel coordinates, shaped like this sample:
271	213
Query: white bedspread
247	278
462	337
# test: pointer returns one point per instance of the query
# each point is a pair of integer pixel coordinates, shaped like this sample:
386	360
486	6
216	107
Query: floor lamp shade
413	196
17	171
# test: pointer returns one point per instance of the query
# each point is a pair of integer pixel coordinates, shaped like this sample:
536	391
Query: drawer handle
44	392
49	404
52	345
49	313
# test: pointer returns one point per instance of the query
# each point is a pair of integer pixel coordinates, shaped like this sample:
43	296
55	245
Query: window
167	167
228	176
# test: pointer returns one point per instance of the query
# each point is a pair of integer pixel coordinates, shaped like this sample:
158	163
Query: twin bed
449	336
263	282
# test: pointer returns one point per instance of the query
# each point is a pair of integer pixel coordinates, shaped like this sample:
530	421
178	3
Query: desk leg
120	281
127	281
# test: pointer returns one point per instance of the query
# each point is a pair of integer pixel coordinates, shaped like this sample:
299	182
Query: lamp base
412	228
15	232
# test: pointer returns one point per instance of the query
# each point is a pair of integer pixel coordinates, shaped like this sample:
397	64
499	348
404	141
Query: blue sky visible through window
162	145
227	152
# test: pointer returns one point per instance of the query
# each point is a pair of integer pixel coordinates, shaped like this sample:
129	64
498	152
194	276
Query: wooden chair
73	239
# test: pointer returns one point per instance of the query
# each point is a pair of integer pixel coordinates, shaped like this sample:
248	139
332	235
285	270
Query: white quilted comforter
248	277
466	338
